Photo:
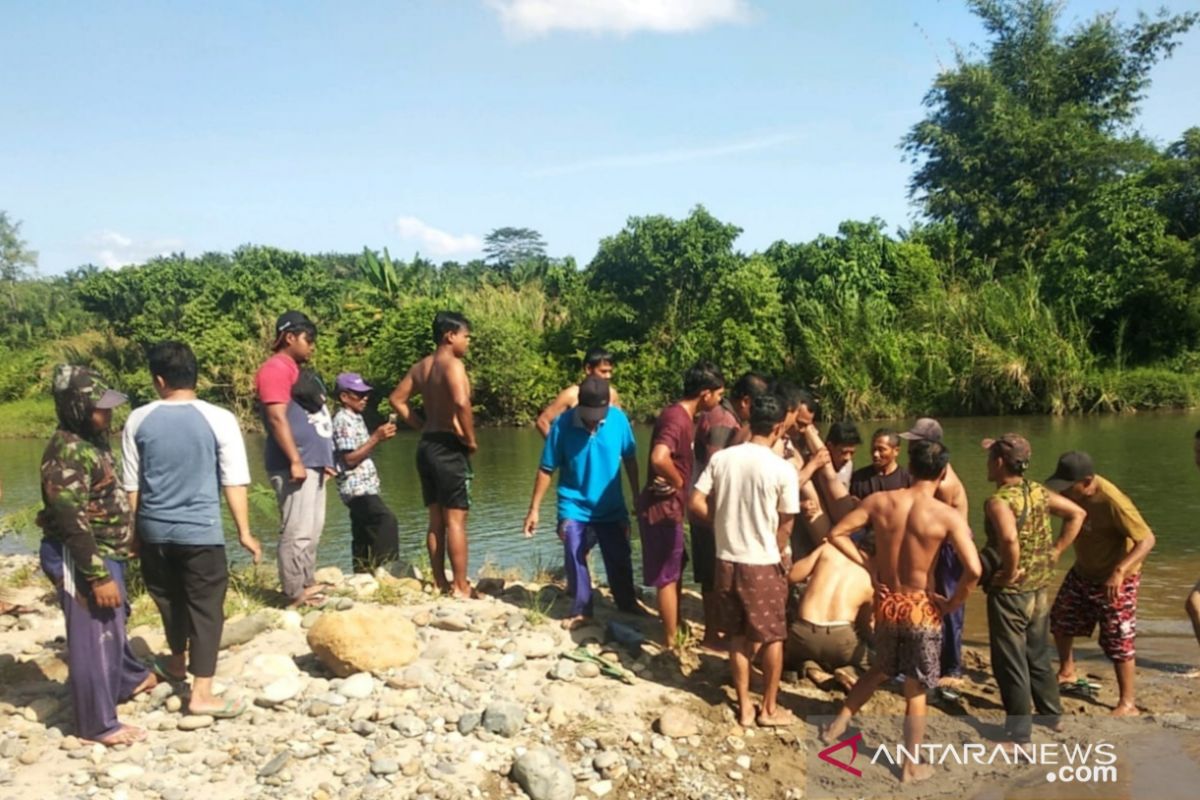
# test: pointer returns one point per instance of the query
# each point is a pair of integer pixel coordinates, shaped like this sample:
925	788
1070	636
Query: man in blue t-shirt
587	446
180	455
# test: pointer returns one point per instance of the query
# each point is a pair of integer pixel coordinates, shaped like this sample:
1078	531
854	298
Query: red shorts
752	600
1081	604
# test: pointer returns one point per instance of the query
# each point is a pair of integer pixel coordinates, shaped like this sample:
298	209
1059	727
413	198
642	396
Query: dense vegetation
1057	270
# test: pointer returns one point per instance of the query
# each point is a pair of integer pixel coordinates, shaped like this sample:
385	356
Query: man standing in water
597	362
910	525
884	473
447	440
1102	586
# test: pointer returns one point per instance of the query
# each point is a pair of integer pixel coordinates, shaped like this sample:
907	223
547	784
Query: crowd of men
852	577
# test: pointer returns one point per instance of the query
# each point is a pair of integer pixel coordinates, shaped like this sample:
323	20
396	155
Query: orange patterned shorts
908	636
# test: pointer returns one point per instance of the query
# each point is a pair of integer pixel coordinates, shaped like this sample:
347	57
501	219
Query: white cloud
437	242
674	156
541	17
112	250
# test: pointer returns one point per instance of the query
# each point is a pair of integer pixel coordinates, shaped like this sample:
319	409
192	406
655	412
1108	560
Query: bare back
837	589
910	525
435	378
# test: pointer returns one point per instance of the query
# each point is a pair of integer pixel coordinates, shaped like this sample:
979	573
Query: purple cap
351	382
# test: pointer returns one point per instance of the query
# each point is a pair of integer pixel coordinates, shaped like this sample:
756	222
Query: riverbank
482	701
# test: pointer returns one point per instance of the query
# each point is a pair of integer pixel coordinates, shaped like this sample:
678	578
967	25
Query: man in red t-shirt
299	452
662	503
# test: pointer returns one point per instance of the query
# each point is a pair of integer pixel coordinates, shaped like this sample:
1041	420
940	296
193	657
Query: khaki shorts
830	646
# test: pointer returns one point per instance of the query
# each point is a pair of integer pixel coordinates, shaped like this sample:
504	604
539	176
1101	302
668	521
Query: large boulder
363	639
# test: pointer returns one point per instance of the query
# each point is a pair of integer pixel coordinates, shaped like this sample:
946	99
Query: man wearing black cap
1021	541
1102	586
299	452
587	446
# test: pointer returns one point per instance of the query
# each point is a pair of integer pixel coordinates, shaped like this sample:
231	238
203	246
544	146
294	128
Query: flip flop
230	710
1081	687
158	665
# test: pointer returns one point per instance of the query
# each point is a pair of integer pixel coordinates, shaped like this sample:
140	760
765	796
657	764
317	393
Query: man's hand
1112	586
821	458
384	432
943	604
531	523
106	593
297	472
472	446
135	547
252	546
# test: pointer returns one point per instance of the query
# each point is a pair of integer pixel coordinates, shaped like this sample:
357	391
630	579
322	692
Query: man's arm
698	509
856	519
964	546
279	429
237	498
804	567
664	467
631	472
613	397
1073	518
399	398
1000	515
541	483
568	398
460	396
352	458
783	536
952	492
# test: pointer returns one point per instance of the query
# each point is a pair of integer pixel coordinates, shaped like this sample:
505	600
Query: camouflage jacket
84	506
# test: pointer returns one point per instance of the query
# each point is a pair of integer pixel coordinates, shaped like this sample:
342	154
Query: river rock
331	575
358	686
363	585
452	622
543	775
385	766
510	661
490	586
280	691
267	667
504	718
194	722
539	645
469	722
678	723
124	772
243	630
409	725
363	639
564	670
275	765
587	669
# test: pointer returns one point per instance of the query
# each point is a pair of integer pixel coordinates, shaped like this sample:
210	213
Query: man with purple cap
950	490
587	446
374	537
1021	553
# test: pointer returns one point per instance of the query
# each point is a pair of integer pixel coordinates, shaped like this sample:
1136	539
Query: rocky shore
391	692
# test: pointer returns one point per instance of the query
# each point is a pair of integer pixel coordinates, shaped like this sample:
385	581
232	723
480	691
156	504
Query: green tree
1015	144
508	247
17	261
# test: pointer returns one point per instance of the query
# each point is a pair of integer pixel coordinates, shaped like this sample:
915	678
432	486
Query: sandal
1081	687
231	709
158	665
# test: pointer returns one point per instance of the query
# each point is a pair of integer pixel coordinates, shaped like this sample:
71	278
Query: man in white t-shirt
750	496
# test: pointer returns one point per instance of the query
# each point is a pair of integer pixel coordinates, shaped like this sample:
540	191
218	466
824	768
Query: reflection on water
1148	455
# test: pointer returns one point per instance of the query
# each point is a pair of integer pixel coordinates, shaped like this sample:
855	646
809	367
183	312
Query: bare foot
126	734
833	731
571	623
1070	678
1126	710
146	685
779	718
464	594
746	716
817	675
845	677
912	773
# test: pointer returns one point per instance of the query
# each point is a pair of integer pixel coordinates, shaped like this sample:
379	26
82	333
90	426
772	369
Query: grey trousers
301	520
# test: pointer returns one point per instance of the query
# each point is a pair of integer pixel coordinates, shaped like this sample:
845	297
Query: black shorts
704	556
445	470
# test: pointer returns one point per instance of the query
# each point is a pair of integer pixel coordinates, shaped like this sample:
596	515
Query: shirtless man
910	525
949	571
825	638
598	362
1192	605
447	440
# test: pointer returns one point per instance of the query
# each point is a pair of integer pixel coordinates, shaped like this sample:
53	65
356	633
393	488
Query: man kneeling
826	639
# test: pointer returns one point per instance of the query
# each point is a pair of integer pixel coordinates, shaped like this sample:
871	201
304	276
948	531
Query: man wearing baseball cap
951	491
1102	586
587	446
374	537
1022	546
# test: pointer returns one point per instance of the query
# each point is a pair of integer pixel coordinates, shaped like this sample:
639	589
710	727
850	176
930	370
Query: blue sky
135	128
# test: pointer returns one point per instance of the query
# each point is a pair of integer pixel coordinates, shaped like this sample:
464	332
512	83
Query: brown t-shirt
674	429
1112	528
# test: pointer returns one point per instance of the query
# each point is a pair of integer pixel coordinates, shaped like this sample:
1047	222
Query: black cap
593	399
291	321
1072	467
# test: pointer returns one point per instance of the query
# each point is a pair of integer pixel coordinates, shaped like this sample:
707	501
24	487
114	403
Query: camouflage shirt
1035	535
84	506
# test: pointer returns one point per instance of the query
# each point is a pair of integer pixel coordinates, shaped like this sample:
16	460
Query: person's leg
206	578
668	611
164	584
1126	683
740	650
360	537
1043	684
914	731
575	564
435	541
313	497
613	539
771	661
456	544
1070	616
291	522
704	557
1192	607
946	577
383	533
1008	622
1118	632
856	699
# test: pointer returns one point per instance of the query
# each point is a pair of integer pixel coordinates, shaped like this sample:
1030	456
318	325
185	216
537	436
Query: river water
1148	455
